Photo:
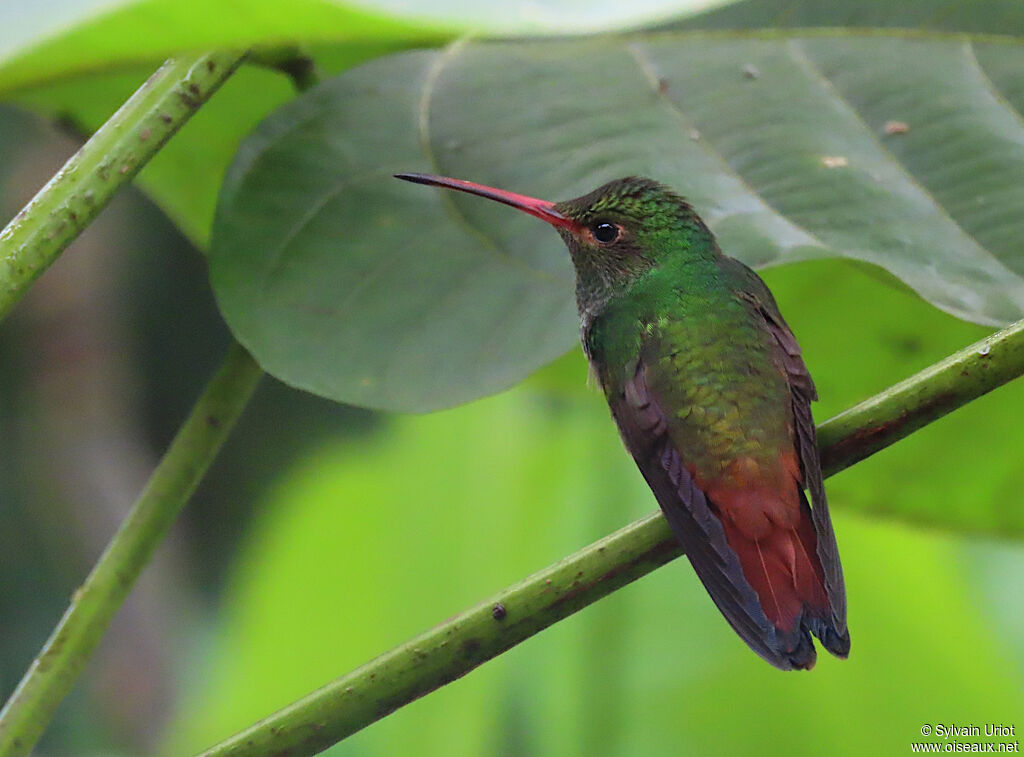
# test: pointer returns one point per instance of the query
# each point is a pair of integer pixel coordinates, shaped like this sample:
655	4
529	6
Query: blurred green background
324	535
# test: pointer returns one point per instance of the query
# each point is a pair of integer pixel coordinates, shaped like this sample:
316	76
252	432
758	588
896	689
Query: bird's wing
645	431
802	392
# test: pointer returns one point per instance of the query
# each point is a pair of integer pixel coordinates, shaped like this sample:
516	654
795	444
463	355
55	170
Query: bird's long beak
542	209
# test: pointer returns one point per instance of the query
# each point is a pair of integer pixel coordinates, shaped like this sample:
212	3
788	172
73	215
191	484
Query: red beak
542	209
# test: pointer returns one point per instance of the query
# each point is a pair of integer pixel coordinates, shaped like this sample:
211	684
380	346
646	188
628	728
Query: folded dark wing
803	392
644	429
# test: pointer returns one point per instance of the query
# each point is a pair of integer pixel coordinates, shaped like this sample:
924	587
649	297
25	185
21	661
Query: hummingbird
712	398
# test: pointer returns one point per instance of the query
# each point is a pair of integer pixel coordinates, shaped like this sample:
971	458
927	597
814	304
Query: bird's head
615	234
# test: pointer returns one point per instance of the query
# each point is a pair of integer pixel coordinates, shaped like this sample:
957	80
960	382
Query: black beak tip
416	178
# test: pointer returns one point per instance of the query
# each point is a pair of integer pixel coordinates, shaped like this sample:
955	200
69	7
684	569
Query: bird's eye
605	233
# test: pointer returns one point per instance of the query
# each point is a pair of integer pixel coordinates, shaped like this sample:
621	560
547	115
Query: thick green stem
104	164
54	671
30	243
469	639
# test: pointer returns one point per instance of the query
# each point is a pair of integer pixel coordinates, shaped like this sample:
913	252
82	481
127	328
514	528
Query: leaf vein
799	56
989	83
305	218
447	199
649	70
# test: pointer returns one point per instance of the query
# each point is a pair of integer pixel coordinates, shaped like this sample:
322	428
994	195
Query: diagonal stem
108	161
33	240
54	671
456	646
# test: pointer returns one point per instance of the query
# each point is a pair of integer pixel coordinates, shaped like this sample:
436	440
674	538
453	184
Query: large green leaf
81	59
68	37
347	283
991	17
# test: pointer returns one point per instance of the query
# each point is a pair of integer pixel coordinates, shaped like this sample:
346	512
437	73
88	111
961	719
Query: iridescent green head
623	229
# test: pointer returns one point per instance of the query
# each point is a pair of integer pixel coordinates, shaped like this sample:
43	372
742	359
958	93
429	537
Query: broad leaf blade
332	239
71	37
995	17
346	283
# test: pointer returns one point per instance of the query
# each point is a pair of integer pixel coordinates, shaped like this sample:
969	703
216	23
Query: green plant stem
30	243
104	164
34	238
455	647
54	671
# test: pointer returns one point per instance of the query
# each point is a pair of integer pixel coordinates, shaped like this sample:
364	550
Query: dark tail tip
835	642
803	656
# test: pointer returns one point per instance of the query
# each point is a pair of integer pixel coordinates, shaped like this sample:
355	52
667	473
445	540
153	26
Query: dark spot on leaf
470	647
498	612
907	344
213	421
